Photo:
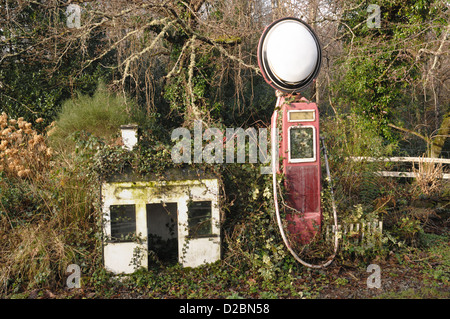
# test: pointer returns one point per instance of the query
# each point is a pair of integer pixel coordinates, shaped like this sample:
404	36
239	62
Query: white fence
407	160
357	233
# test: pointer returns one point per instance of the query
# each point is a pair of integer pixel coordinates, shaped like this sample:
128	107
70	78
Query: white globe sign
289	55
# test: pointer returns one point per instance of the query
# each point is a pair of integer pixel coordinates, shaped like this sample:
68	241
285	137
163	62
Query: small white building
171	218
175	219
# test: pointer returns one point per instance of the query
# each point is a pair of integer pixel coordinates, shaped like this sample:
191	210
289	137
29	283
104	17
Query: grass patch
99	115
422	293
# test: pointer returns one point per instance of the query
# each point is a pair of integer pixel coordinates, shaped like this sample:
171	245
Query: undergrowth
50	217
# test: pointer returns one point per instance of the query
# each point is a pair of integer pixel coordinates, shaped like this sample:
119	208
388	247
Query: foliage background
381	92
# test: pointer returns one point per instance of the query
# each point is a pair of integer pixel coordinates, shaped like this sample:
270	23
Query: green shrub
100	115
355	181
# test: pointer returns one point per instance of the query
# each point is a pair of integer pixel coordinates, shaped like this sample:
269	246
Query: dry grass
33	254
428	178
47	209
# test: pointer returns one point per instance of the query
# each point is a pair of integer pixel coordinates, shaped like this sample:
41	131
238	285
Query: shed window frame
200	226
130	235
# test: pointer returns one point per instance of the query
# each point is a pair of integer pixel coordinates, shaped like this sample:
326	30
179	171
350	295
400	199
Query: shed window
199	219
123	222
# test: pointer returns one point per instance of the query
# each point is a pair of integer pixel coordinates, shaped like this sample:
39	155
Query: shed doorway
162	232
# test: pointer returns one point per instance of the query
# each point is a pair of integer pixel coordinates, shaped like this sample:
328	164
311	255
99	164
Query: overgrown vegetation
47	217
51	219
98	115
164	66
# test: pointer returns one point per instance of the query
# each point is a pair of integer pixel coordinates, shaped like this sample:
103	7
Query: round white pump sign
289	55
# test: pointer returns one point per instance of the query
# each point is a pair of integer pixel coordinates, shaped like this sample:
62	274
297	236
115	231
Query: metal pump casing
299	152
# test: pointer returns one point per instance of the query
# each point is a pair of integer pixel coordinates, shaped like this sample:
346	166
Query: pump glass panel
123	222
297	116
199	219
301	144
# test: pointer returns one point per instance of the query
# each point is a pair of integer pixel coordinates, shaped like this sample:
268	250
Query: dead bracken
23	151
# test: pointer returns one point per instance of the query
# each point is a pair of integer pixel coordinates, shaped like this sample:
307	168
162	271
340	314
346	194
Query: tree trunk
439	140
313	8
435	144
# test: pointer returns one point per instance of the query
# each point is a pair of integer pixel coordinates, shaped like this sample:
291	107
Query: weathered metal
300	164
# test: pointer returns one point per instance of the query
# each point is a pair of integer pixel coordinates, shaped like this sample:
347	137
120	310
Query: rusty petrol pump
289	57
301	167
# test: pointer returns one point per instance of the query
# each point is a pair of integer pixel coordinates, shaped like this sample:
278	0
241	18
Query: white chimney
129	136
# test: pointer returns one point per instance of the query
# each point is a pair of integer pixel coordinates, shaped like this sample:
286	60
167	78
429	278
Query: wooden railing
407	160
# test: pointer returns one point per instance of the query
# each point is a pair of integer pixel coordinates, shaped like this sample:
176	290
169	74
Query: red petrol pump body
289	57
300	164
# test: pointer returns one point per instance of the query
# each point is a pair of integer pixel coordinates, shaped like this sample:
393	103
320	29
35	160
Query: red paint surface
302	179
